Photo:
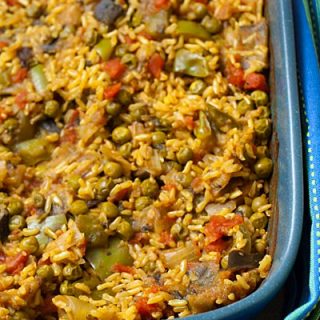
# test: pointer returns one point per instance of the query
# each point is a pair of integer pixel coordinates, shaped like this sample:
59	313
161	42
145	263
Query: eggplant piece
51	47
107	12
49	125
4	224
238	260
25	54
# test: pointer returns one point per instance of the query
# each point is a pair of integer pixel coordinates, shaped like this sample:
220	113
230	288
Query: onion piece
216	208
73	308
174	257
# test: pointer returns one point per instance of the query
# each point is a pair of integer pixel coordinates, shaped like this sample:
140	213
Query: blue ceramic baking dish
288	175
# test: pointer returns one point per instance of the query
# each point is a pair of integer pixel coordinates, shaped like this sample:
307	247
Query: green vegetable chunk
38	78
93	231
34	151
79	207
103	259
203	130
222	121
192	29
104	49
191	64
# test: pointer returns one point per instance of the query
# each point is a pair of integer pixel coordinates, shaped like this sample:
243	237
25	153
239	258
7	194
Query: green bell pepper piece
191	64
103	259
192	29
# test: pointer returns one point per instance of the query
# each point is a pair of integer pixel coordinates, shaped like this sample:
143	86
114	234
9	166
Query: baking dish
285	231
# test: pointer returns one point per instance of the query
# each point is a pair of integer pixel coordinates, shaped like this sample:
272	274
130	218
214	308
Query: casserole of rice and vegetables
134	157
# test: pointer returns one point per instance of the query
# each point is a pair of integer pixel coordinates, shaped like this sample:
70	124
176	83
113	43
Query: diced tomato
115	68
47	307
155	65
256	81
161	4
140	238
111	91
218	245
165	238
128	40
154	288
235	76
146	35
15	264
145	309
3	44
168	186
218	226
69	135
20	75
196	183
73	118
190	124
120	195
118	267
21	99
11	2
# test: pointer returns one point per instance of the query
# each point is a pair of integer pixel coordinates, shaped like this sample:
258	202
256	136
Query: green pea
91	38
113	108
259	220
17	222
125	229
259	202
184	179
197	87
51	108
15	206
113	169
121	49
244	210
11	124
203	129
172	165
212	24
20	315
121	135
137	111
262	151
262	128
79	207
199	10
103	188
124	97
129	59
38	200
45	272
67	288
184	155
142	202
33	11
72	272
264	112
4	149
29	244
149	188
3	197
260	98
158	137
263	167
136	19
5	78
73	182
125	149
109	209
244	106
